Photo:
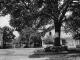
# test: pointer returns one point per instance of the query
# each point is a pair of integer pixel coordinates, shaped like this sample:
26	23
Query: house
66	39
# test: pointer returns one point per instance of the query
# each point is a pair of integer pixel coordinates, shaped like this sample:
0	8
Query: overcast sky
4	21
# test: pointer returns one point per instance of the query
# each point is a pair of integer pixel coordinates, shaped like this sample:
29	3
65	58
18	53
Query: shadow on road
57	55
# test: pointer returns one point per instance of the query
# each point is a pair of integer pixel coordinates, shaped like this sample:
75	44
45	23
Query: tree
29	36
25	34
7	35
36	13
72	24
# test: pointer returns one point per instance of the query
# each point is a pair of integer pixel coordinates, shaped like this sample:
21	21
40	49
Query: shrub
48	40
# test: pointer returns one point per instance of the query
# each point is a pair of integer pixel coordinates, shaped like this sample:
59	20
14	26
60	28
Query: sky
16	33
4	21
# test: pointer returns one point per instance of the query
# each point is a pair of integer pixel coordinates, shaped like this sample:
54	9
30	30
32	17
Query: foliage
28	34
72	23
76	35
36	40
27	12
25	34
7	34
48	40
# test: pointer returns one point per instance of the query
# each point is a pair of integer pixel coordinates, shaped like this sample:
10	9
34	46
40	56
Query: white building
70	42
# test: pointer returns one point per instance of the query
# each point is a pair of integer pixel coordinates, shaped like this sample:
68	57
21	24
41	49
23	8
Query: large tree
35	13
25	34
8	35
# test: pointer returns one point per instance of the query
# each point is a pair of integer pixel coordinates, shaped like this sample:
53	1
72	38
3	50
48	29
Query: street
35	54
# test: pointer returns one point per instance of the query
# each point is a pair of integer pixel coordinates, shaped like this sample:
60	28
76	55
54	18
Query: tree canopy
36	13
28	12
7	34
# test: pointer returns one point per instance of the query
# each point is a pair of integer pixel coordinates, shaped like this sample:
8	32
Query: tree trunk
57	34
4	41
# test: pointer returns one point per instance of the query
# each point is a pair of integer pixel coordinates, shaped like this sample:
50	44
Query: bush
48	49
78	46
36	39
56	48
48	40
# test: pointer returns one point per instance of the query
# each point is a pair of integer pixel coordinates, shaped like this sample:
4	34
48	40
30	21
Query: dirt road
35	54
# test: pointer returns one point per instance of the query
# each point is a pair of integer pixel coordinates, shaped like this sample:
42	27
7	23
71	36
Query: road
35	54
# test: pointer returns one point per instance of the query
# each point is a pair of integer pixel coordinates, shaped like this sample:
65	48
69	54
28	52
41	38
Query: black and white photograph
39	29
